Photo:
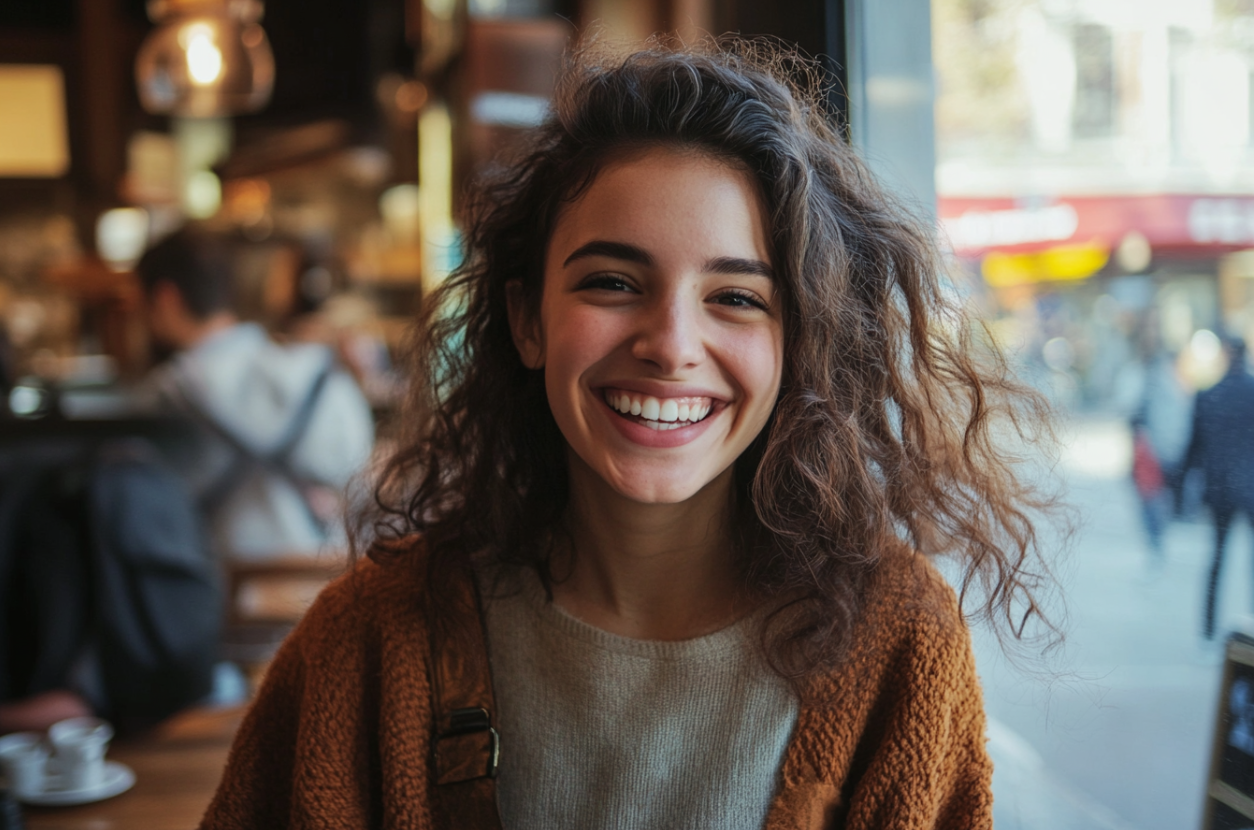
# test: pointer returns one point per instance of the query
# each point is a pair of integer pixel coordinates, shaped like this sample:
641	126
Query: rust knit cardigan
340	734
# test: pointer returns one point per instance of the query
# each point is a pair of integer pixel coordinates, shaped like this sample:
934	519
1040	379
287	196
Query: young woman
654	553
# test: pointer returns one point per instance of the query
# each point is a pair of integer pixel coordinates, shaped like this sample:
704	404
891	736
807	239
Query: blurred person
1150	484
312	307
111	599
284	427
309	280
1160	435
1165	409
655	545
1222	446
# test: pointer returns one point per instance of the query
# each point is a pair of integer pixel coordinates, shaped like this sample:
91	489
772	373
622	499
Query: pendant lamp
205	58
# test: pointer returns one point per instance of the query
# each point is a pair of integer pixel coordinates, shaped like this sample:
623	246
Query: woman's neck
649	571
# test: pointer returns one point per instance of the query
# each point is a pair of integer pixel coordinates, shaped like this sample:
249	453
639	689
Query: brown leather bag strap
466	745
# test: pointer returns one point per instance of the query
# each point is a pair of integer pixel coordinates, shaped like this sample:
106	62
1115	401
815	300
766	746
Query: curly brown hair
888	422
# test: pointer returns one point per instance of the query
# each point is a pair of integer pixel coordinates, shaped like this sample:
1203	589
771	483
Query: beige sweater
601	731
340	735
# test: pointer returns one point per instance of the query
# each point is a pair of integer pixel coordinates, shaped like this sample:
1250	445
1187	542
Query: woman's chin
644	481
660	487
659	495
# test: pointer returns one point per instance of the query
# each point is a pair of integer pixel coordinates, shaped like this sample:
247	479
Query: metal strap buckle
466	736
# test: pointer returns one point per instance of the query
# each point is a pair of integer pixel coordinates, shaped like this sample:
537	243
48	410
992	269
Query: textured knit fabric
606	731
340	734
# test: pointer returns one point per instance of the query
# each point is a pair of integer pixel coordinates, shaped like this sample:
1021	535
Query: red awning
1173	224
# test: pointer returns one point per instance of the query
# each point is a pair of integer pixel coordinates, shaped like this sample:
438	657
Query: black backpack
103	562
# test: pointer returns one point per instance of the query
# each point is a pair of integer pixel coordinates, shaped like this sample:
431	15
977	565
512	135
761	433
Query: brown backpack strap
466	745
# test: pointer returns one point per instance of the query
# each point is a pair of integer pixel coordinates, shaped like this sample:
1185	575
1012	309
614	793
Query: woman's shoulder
910	639
908	621
910	610
901	716
383	589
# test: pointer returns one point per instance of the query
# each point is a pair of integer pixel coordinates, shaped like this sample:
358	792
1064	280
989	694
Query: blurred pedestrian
284	426
1150	483
1166	407
1160	435
1222	445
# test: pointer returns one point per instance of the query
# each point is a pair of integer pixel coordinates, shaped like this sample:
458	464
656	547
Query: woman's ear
524	327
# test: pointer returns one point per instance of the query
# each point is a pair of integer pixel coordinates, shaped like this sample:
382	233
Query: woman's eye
741	299
606	282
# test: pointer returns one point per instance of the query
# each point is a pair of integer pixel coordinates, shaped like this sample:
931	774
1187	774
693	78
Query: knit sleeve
963	770
307	755
257	784
928	768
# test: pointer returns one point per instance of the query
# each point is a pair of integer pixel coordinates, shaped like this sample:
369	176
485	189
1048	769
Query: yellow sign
1057	264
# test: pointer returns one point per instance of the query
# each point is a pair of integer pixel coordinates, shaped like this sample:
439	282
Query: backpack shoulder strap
295	430
246	458
466	745
242	457
299	424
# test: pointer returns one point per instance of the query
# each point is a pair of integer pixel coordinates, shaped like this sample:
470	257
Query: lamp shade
205	58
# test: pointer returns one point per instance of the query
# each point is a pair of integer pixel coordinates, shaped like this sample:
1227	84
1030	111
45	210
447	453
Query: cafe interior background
1090	165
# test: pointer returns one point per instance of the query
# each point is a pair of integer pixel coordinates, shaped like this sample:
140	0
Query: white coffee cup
80	745
24	756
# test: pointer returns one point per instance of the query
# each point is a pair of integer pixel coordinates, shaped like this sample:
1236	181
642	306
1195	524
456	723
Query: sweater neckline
720	644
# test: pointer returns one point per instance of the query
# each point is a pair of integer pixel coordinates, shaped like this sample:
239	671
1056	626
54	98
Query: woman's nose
670	334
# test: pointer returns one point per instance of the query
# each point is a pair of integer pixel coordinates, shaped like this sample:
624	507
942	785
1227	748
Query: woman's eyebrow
632	253
613	250
736	265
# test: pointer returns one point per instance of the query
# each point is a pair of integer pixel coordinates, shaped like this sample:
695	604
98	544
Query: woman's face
660	327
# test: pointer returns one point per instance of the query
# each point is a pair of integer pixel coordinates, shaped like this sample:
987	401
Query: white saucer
118	778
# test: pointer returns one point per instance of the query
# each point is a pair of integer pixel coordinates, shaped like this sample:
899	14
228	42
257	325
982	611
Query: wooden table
177	767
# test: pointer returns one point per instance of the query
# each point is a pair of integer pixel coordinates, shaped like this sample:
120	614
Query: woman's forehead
675	199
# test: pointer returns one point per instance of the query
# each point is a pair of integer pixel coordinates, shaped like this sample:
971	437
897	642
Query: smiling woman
657	293
655	550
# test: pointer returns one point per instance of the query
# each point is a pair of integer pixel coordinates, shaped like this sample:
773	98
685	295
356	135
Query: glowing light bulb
204	58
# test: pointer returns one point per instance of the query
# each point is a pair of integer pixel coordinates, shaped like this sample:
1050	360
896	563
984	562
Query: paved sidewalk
1115	732
1027	796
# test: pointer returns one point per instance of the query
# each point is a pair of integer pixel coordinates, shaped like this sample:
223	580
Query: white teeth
658	413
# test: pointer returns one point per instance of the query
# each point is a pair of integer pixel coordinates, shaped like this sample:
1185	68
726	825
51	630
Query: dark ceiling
55	14
327	52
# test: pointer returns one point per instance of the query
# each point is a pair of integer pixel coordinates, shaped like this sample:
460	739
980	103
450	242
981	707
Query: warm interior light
400	207
121	235
202	195
204	59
